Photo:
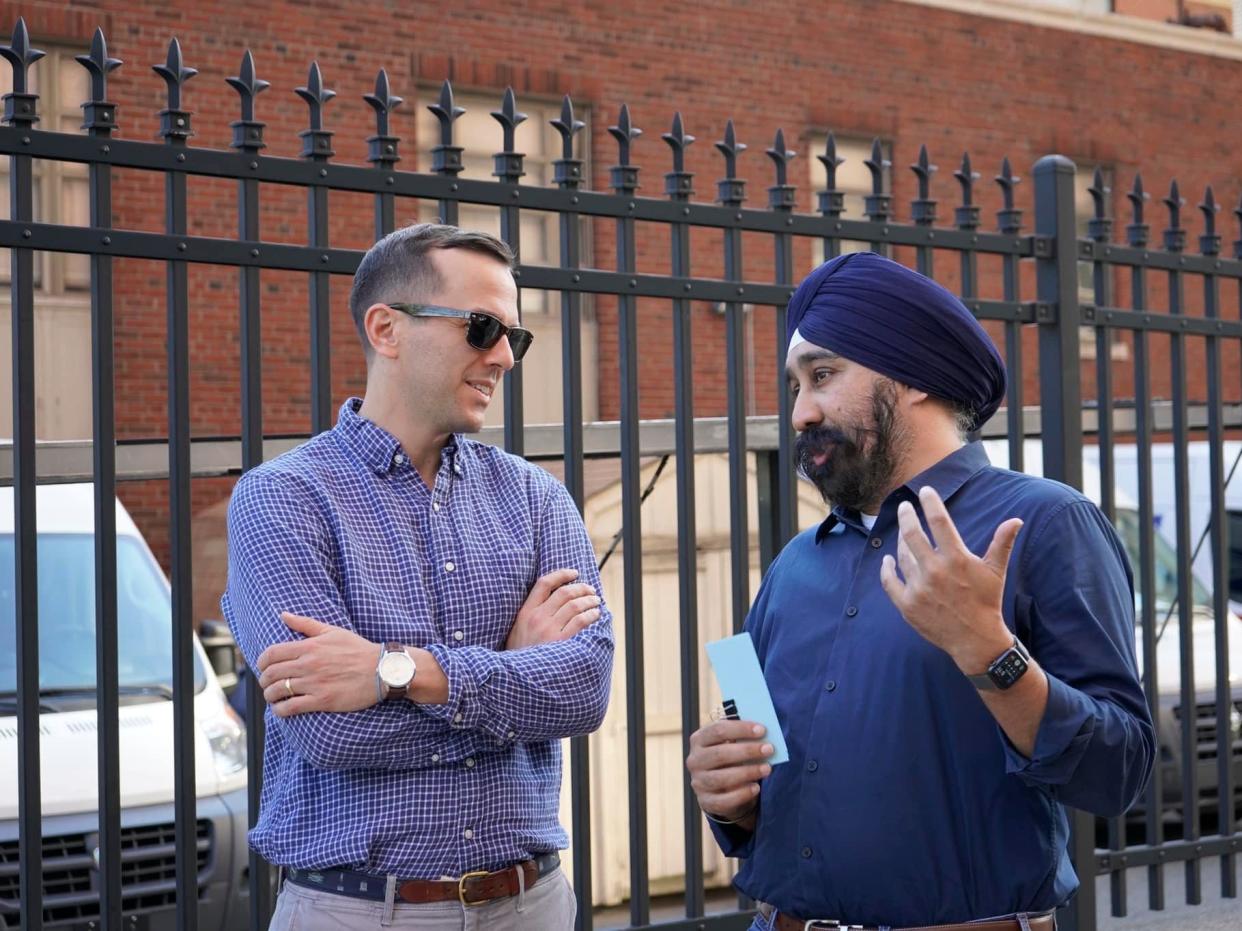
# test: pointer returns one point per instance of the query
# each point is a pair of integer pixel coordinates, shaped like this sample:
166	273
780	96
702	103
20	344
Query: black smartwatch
1005	670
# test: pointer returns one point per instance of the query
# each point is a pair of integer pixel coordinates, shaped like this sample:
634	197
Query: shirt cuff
467	675
1062	739
732	840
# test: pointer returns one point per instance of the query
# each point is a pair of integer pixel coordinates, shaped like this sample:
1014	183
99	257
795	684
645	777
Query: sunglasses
483	332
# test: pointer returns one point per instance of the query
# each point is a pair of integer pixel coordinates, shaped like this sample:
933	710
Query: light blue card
744	690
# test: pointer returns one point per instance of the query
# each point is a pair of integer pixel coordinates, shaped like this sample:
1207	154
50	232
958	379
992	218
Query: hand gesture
945	592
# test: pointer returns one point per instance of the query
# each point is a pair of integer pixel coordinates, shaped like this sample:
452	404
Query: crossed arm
288	615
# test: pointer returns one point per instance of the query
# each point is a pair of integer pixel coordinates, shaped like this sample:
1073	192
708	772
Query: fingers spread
912	533
939	521
997	556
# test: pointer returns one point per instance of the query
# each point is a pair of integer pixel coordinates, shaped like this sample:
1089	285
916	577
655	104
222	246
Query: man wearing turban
950	653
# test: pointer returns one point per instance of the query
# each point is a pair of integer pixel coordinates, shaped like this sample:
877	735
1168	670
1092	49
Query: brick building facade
1011	78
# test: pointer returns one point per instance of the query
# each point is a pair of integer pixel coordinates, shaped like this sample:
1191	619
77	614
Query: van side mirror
221	651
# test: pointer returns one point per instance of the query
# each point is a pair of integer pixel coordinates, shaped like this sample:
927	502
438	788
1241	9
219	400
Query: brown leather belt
1041	923
473	888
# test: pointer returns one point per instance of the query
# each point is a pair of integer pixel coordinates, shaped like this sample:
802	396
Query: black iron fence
1203	760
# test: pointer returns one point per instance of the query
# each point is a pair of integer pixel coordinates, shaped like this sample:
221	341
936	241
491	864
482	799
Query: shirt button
468	833
849	612
876	543
435	506
457	718
435	758
449	567
469	762
831	685
806	853
512	735
458	636
457	469
812	765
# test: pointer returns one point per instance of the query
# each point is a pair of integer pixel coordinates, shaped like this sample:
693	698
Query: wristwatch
394	673
1005	670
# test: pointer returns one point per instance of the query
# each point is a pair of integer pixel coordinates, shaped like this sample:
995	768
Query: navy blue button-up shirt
345	530
903	803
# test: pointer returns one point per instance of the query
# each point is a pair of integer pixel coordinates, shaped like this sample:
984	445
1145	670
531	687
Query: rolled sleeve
1095	746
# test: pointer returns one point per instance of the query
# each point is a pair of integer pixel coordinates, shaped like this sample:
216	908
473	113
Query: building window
853	177
62	280
480	137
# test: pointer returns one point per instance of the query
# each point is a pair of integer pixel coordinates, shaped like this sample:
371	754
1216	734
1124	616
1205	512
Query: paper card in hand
744	690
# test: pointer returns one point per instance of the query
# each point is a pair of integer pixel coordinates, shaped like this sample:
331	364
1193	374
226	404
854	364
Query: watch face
396	669
1008	669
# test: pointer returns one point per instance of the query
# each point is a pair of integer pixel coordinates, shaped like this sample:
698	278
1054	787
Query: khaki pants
548	905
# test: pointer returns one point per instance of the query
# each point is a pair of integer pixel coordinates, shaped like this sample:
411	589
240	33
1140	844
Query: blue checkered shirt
345	530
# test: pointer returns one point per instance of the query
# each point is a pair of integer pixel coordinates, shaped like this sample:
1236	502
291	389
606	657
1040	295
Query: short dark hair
398	267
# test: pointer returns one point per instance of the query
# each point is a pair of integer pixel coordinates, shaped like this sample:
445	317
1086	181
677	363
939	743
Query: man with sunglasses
424	613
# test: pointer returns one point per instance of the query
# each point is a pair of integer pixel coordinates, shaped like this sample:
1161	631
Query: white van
68	734
1168	645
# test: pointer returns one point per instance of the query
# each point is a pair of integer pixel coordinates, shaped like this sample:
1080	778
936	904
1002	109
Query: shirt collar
946	476
377	448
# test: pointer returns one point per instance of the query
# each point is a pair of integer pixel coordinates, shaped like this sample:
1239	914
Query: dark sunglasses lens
484	331
519	342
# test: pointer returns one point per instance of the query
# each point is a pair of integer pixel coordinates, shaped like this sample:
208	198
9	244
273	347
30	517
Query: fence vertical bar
568	176
509	169
878	204
175	130
782	197
625	183
1099	230
1175	241
317	148
1209	245
99	120
923	212
248	141
966	218
831	199
446	157
1009	222
678	185
382	150
21	112
731	192
1056	278
1137	232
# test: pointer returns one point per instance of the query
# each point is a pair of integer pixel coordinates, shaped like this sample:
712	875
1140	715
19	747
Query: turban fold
880	314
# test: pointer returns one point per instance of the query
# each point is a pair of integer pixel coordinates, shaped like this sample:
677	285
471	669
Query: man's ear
380	325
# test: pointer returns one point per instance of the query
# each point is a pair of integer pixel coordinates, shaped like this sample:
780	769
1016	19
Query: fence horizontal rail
1171	851
1122	319
361	179
59	461
1132	256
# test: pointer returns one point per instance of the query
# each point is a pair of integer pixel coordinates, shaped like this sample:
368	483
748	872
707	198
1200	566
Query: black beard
862	458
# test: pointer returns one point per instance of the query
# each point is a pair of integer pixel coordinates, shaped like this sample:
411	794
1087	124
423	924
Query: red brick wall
910	74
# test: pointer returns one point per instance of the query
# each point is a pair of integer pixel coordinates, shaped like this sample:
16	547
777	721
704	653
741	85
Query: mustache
816	440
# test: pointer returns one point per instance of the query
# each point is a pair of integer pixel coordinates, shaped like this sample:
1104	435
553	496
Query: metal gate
1193	316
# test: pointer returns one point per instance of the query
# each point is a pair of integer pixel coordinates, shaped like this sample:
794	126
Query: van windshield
1165	560
66	566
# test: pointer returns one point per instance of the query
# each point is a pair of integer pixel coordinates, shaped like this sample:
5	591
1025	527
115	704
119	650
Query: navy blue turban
882	315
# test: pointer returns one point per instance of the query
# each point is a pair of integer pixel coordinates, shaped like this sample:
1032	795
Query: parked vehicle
68	734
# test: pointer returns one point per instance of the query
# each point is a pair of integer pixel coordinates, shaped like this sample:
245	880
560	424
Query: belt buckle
828	924
461	887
